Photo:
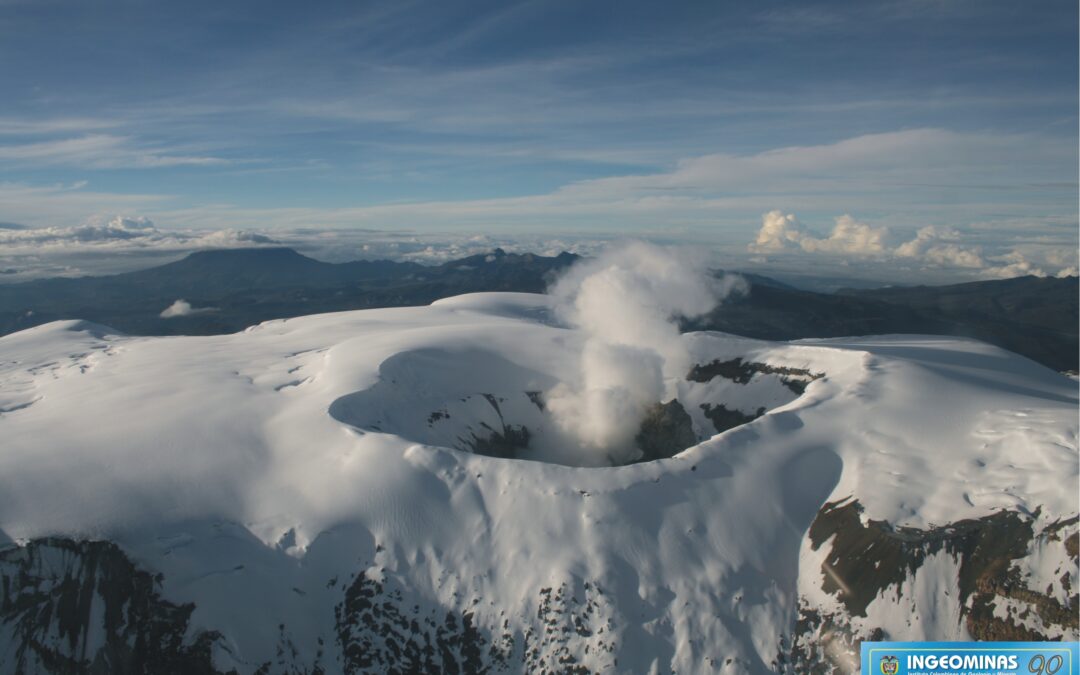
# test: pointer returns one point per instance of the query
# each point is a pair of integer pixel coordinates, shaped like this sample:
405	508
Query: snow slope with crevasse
257	472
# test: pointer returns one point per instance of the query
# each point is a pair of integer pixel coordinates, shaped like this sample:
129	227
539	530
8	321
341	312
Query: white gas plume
627	302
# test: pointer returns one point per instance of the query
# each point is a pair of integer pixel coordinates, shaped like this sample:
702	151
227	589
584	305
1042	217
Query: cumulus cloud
1067	260
1013	264
780	231
183	308
626	302
941	247
932	247
849	236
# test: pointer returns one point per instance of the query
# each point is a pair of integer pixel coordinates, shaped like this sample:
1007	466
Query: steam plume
627	302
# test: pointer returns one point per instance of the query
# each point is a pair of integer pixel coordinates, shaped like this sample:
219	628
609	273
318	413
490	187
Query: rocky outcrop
83	607
741	372
724	418
72	607
871	560
666	430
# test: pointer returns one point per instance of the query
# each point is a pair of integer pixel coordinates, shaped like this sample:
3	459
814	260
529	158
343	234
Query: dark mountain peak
756	279
267	254
1024	283
499	258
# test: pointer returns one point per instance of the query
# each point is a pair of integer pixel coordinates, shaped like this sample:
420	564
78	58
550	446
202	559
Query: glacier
311	495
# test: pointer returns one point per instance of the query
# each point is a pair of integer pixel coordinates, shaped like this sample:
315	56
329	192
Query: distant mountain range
244	287
1035	317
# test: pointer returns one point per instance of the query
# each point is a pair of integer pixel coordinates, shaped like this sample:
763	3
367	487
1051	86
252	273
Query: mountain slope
1035	317
287	524
237	288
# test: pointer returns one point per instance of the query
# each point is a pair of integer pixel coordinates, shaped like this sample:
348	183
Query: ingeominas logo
890	665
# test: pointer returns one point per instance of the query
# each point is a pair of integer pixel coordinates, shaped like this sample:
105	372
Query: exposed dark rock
567	623
865	560
665	431
506	443
741	372
382	629
381	633
724	419
52	589
537	397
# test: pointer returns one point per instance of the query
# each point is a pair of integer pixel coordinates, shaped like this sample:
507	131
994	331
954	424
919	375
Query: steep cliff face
1008	576
70	606
83	607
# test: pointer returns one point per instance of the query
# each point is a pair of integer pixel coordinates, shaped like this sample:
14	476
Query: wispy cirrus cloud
27	126
99	151
897	177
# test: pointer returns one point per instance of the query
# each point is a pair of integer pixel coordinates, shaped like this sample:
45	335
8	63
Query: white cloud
111	244
183	308
932	247
99	151
1013	264
16	126
778	230
102	231
107	244
713	193
953	255
849	236
940	247
781	231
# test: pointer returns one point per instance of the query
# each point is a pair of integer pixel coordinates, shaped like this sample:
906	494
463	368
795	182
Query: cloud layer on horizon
932	247
110	244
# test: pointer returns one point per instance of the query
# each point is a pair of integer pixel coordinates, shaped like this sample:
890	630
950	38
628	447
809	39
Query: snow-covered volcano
386	491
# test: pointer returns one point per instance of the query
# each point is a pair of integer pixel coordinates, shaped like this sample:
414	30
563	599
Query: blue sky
689	121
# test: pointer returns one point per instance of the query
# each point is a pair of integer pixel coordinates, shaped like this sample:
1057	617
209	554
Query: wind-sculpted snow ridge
351	493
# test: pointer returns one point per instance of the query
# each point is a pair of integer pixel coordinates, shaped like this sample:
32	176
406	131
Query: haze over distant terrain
228	290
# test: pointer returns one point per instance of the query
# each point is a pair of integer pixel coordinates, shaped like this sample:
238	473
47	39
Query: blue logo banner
970	658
